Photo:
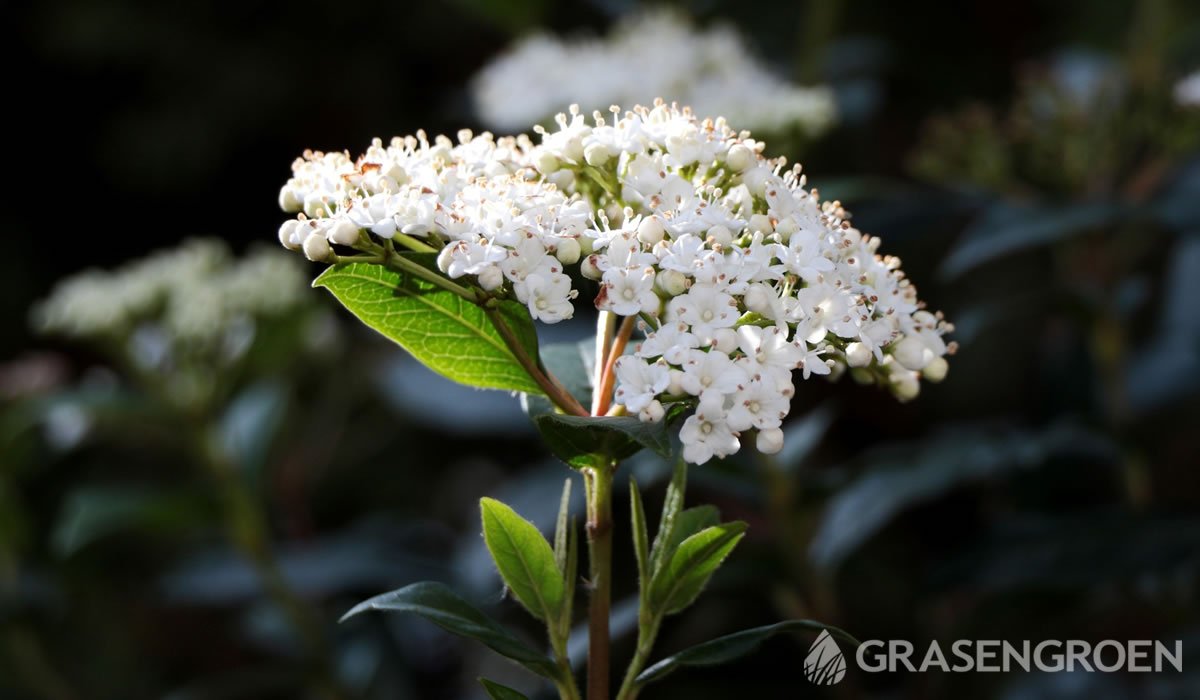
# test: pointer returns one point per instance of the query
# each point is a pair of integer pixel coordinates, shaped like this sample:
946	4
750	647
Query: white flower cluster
1187	90
192	294
647	55
739	274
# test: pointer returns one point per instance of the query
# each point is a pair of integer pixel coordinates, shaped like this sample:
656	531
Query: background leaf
445	332
732	646
442	606
525	560
496	691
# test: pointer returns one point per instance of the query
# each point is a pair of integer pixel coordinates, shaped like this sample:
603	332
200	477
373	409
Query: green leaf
682	578
561	527
688	523
641	536
496	691
732	646
445	332
584	441
92	513
566	556
666	524
1007	228
524	558
442	606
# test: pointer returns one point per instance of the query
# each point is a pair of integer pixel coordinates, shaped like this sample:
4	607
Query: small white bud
546	162
650	231
444	258
758	299
858	355
590	269
290	201
314	206
671	282
652	413
725	340
760	222
343	233
912	353
675	388
596	154
786	227
905	386
770	441
568	250
755	180
721	236
936	370
740	157
491	278
287	234
587	245
316	248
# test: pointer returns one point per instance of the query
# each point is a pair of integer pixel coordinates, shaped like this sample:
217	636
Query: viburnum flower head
737	273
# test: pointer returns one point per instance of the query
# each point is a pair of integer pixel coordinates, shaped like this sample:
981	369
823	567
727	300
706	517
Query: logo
824	664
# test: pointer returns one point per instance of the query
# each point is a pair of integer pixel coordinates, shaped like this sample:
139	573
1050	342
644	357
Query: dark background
1047	489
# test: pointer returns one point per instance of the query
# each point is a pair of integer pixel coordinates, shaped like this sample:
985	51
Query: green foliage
442	330
689	568
442	606
597	442
526	562
733	646
496	691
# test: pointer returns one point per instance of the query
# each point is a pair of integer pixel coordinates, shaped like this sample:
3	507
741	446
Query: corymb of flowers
737	275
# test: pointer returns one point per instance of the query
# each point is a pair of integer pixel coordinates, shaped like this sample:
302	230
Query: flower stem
605	386
552	388
400	263
598	483
606	325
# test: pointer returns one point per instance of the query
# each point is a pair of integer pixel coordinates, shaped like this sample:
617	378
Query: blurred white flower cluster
647	55
1187	90
738	273
197	293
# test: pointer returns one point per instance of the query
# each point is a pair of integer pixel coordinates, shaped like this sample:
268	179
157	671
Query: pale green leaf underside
445	332
524	558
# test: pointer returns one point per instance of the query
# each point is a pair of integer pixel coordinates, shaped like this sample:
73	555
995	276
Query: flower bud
675	388
567	250
343	233
911	353
785	228
545	162
904	385
287	234
758	299
858	355
596	154
725	340
290	201
587	245
760	223
936	370
652	413
650	231
769	441
721	235
316	248
755	180
739	158
314	206
491	278
671	282
590	268
444	258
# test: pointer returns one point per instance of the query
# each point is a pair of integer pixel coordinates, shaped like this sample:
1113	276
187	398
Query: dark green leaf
251	422
442	606
524	558
496	691
598	441
732	646
92	513
445	332
1007	228
641	536
684	576
672	504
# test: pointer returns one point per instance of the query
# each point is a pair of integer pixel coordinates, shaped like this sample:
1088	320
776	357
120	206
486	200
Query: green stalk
598	487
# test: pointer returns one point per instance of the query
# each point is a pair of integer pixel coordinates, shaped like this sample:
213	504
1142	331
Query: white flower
705	310
758	404
769	352
629	292
548	297
706	435
639	382
711	372
671	342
